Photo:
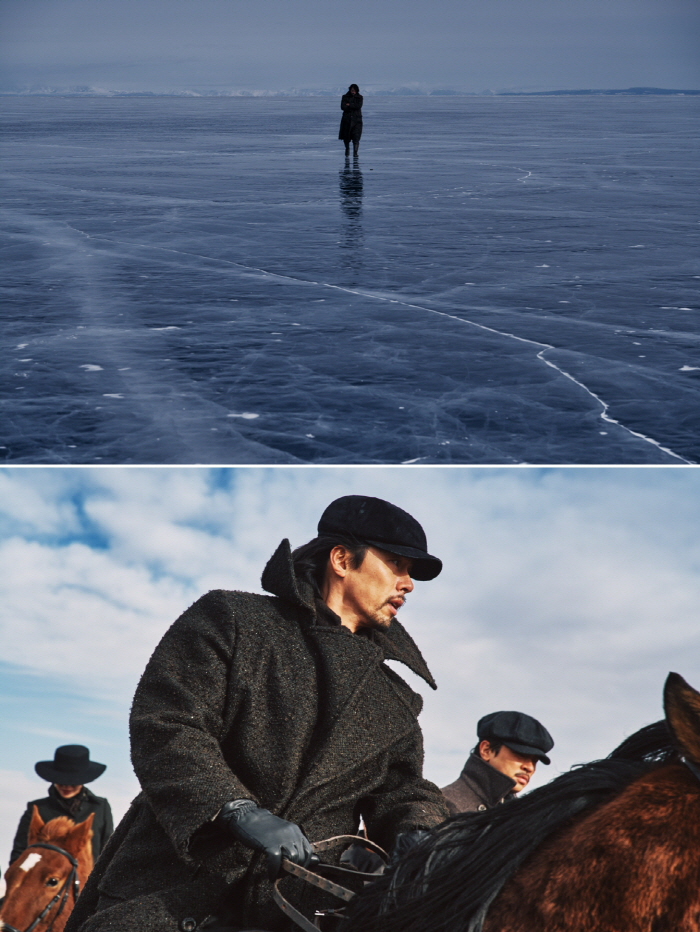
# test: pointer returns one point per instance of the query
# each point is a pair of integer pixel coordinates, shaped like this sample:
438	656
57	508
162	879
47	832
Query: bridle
71	882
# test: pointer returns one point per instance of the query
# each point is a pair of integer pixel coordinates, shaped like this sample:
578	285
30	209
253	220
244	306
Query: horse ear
79	836
35	826
682	707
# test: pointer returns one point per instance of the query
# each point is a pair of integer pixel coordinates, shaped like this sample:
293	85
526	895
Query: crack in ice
379	297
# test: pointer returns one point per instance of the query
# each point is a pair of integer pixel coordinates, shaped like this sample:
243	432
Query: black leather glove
404	842
261	830
362	859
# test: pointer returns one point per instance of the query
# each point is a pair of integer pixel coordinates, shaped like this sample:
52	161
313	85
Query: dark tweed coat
479	786
254	696
351	121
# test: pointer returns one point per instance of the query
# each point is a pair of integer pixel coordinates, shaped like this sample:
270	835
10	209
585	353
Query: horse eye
52	882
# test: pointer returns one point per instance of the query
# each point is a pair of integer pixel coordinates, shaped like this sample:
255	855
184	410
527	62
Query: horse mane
653	743
55	829
449	879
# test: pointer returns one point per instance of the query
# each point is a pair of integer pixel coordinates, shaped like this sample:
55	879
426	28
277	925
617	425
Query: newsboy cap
519	732
383	525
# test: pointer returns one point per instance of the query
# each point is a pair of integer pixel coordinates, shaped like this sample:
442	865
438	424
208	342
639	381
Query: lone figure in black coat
260	714
351	122
68	772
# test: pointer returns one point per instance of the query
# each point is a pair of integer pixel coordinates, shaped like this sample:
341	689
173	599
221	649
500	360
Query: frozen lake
495	280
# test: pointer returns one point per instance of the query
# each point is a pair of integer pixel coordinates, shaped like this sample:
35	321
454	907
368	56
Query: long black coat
53	806
351	121
254	696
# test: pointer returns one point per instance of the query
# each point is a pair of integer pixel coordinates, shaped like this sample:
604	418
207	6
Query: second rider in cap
510	746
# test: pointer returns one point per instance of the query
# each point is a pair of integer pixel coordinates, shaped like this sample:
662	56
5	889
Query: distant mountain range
640	91
88	91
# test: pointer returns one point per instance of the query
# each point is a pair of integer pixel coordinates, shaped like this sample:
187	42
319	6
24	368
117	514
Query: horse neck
650	836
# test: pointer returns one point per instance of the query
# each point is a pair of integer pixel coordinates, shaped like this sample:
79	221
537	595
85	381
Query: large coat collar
86	798
489	784
395	642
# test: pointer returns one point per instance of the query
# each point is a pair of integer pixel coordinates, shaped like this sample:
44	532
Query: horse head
41	881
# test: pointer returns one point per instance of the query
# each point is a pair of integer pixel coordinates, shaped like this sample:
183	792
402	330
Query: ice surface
495	280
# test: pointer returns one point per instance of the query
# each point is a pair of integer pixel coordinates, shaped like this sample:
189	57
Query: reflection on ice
197	281
351	190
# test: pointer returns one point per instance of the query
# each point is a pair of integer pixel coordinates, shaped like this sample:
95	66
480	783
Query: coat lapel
397	644
362	694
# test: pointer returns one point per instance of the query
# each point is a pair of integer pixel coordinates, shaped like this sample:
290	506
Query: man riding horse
264	721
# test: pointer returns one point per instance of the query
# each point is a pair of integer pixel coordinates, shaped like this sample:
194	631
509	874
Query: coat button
188	925
482	808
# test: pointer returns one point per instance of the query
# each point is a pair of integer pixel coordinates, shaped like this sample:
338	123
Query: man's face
375	591
67	791
519	767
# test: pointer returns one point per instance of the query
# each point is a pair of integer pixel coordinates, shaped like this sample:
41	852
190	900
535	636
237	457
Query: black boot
355	148
347	150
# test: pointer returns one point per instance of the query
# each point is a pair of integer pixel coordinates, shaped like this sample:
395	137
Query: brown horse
612	846
43	882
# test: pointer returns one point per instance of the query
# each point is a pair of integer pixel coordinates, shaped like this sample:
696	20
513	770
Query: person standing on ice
351	122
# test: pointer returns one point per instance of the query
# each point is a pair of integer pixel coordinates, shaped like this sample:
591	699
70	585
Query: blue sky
468	45
567	593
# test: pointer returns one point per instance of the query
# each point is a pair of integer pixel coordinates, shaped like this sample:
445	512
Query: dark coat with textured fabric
351	121
53	806
479	786
259	697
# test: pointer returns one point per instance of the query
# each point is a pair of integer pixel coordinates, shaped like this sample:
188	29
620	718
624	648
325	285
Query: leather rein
315	878
70	883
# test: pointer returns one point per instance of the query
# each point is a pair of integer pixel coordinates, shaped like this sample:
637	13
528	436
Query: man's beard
380	618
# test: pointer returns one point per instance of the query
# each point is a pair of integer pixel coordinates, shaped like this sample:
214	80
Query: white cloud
78	613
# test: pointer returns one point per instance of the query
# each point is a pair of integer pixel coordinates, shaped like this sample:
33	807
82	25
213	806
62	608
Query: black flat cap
521	733
71	765
383	525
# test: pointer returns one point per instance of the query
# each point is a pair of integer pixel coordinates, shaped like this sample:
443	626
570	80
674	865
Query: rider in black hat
68	773
511	744
260	714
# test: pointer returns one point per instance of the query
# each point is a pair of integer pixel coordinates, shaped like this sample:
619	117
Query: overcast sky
567	593
468	45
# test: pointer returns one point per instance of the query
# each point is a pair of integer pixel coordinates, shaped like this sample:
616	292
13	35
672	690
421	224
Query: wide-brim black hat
384	526
520	732
71	766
